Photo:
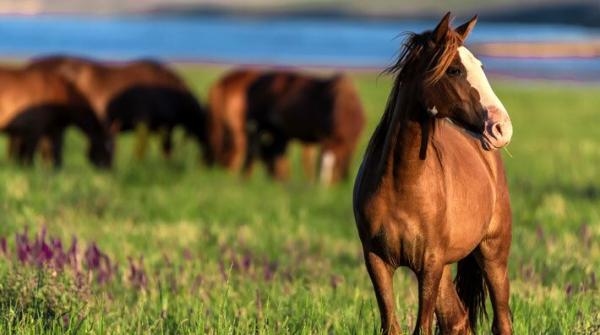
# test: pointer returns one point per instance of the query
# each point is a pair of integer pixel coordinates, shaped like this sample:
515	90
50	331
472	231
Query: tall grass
199	251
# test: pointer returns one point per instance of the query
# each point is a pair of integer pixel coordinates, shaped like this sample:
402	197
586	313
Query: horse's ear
466	28
440	31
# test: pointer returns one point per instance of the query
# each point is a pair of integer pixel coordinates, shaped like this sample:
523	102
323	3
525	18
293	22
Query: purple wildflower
137	274
270	269
72	255
92	257
22	246
44	254
569	290
247	261
187	254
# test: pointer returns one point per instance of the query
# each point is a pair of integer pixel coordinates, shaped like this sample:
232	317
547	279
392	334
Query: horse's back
36	95
141	89
227	95
297	105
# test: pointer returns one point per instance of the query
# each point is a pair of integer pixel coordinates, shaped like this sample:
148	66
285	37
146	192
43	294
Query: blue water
270	41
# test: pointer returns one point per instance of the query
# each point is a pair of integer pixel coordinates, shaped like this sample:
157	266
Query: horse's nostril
500	133
497	129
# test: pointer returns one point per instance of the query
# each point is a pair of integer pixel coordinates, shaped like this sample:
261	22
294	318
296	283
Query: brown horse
256	114
284	106
36	104
431	190
125	96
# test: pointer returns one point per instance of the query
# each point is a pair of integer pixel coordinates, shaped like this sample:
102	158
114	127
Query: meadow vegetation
172	247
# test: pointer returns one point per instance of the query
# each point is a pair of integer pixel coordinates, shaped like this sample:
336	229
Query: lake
277	41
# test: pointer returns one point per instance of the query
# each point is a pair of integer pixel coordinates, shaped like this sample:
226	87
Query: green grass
228	256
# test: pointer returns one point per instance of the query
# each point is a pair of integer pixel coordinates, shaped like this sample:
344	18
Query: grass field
200	251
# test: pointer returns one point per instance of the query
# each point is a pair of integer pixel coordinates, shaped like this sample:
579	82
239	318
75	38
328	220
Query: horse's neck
84	118
395	147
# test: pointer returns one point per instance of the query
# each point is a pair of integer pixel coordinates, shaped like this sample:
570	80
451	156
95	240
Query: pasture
200	251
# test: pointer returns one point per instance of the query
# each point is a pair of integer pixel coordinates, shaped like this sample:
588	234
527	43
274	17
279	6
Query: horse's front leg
142	132
429	284
451	314
495	269
382	275
56	143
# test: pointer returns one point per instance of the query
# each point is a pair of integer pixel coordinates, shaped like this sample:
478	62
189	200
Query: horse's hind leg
27	150
429	284
14	143
382	275
166	136
451	314
273	154
335	162
309	161
278	167
45	150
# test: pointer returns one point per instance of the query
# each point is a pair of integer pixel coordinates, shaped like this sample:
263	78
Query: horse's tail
216	106
348	105
470	285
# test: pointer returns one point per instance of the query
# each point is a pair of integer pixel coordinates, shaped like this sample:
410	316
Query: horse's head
101	150
452	84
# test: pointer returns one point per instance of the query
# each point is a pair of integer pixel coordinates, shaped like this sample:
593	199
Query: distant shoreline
578	14
586	14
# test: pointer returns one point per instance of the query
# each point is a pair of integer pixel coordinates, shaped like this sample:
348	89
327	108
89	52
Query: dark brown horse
36	104
285	106
258	114
125	96
432	190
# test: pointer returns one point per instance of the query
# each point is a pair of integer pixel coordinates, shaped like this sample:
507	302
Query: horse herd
251	114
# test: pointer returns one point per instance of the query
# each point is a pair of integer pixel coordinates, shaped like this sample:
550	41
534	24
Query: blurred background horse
256	114
36	104
141	94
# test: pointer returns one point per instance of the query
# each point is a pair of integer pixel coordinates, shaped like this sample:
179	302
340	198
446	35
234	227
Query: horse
255	113
431	190
280	106
141	93
36	104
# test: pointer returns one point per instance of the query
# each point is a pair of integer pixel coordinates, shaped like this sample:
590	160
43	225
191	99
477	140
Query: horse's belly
467	224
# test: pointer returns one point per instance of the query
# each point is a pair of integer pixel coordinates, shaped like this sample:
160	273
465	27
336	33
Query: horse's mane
421	61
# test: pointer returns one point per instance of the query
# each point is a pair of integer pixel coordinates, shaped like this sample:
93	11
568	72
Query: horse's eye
453	72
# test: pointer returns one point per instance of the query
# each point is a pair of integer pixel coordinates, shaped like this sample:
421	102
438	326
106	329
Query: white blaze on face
498	128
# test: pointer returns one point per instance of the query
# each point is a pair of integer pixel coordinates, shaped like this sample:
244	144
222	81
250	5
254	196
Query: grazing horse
134	94
285	106
254	114
432	191
36	104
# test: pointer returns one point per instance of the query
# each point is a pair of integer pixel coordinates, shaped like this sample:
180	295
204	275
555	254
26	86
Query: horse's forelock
420	48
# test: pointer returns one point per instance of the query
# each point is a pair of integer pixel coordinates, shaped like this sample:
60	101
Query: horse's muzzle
498	128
